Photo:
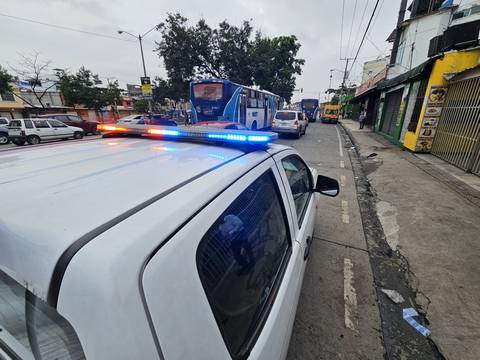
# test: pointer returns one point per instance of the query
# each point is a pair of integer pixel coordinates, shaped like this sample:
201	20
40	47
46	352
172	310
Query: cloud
316	23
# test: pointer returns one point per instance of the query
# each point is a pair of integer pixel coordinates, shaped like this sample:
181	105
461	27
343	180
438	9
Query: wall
372	68
415	40
452	62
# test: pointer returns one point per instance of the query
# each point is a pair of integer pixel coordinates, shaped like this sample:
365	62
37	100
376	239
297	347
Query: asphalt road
337	315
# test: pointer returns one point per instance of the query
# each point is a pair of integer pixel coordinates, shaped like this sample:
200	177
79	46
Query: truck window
33	329
240	261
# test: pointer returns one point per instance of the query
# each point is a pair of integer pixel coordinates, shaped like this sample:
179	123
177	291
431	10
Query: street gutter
390	270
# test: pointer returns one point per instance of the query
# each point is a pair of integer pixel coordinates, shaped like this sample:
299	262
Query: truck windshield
210	92
285	115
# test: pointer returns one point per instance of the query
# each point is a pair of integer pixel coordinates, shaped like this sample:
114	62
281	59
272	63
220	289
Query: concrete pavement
431	221
337	315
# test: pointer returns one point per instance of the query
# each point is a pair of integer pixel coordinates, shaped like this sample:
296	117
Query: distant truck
330	113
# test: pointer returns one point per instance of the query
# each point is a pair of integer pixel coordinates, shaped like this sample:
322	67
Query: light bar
106	127
196	133
165	132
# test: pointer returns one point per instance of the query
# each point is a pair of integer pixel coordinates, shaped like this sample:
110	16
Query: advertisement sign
433	110
146	85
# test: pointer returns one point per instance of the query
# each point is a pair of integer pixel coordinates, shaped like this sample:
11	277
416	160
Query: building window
7	96
241	259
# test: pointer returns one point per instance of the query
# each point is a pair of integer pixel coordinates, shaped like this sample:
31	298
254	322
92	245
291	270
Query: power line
359	26
365	33
341	28
65	28
351	27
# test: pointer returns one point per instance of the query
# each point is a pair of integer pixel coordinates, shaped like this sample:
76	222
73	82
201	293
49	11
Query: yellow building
443	72
10	105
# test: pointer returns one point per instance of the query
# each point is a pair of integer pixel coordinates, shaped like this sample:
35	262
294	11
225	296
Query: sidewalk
430	213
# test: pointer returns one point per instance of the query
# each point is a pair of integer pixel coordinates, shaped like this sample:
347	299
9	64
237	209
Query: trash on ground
372	155
393	295
408	315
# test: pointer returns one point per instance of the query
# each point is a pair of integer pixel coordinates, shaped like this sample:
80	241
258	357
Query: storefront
399	102
446	128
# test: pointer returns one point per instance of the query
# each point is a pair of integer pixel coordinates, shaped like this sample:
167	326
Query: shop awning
413	74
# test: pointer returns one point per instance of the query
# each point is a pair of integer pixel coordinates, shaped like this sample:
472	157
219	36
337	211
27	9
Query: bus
223	100
310	108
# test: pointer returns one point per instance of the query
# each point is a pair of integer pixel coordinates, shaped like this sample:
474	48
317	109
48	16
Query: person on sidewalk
362	118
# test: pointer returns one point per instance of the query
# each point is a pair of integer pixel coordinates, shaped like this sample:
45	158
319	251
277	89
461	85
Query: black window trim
307	203
247	347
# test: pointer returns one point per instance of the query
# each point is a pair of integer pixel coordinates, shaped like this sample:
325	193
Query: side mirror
327	186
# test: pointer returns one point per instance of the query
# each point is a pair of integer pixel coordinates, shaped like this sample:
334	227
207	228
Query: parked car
4	131
36	130
131	119
152	119
229	125
88	126
290	122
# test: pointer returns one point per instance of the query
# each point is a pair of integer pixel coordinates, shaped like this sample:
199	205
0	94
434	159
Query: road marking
342	164
340	147
349	296
343	180
345	217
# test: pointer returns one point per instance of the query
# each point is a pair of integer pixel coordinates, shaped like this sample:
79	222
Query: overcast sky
316	23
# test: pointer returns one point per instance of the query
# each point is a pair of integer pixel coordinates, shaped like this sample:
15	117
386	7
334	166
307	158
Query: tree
274	64
84	88
229	52
5	80
141	106
32	69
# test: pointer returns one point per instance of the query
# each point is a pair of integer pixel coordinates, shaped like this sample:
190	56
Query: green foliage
141	106
83	88
228	52
5	80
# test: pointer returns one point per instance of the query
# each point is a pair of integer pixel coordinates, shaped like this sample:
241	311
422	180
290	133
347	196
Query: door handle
307	248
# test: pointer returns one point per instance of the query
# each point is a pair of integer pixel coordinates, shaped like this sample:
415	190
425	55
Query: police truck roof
54	194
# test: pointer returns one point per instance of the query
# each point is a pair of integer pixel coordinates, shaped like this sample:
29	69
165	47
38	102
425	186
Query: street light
140	38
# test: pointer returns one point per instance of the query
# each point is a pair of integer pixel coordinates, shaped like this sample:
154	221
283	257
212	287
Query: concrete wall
372	68
415	41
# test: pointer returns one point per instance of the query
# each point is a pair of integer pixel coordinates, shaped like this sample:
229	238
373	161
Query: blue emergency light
195	133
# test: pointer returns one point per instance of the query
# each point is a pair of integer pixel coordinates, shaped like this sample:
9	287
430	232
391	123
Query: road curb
390	271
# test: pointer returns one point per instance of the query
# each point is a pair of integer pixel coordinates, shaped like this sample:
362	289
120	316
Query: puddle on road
387	214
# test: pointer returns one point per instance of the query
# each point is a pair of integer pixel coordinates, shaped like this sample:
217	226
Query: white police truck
154	243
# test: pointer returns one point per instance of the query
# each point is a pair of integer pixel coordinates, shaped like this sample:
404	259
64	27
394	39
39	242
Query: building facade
430	99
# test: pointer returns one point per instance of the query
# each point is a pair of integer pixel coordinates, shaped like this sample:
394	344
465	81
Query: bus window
210	92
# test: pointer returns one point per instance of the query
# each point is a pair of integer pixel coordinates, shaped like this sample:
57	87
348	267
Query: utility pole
398	33
344	81
143	58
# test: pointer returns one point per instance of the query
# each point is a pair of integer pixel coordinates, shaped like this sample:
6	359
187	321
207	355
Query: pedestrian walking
362	118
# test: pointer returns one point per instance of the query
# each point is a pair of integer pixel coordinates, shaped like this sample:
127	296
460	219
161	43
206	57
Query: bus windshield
309	105
208	91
